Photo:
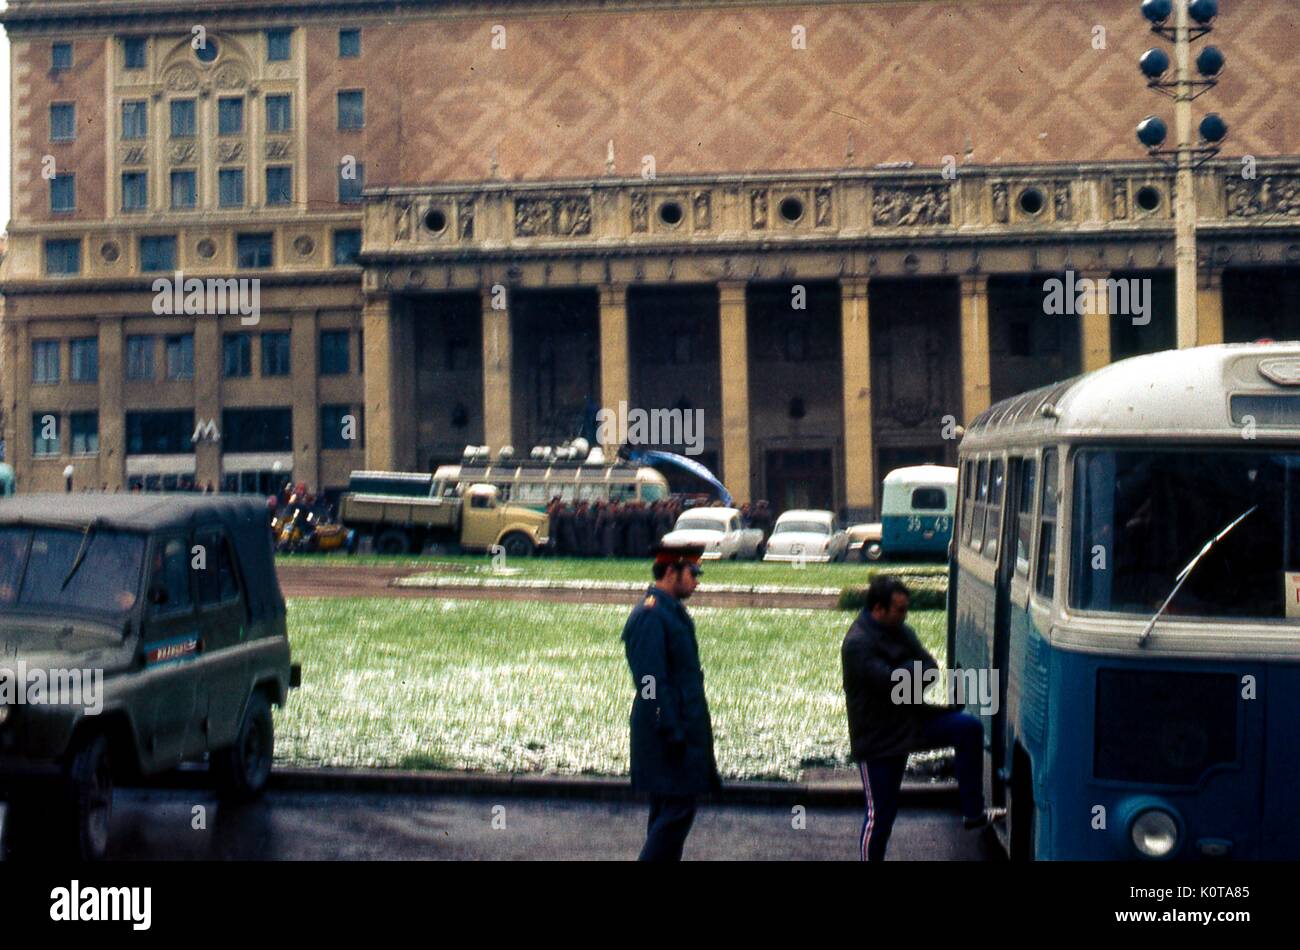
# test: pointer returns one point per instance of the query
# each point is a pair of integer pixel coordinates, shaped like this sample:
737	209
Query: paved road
158	824
309	580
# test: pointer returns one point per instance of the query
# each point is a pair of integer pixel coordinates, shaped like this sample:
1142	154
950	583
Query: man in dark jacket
881	655
672	736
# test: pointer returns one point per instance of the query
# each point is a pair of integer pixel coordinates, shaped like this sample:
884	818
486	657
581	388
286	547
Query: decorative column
498	425
734	339
1094	325
975	383
304	342
615	379
112	411
381	441
859	454
1209	306
207	398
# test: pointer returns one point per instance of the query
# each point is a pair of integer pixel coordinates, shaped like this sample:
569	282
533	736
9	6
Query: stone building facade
828	226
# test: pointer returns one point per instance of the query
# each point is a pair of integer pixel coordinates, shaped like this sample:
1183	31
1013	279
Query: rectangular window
63	122
180	356
139	357
135	191
257	430
275	354
185	191
158	253
133	52
85	433
1045	572
237	355
85	360
993	523
279	113
160	433
349	44
351	182
60	57
347	245
45	433
253	250
135	119
968	499
230	116
278	44
279	185
352	109
1025	518
45	361
230	183
338	427
979	508
334	352
62	257
63	192
184	118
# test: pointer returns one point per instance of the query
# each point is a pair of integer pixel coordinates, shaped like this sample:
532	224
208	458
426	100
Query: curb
526	785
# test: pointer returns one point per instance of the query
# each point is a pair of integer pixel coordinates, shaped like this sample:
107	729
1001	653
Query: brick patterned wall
35	88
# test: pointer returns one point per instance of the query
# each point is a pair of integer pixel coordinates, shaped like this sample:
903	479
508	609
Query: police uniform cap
677	554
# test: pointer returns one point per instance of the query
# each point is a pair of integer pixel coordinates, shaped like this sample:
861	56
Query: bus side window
968	499
1025	518
981	504
993	523
1045	577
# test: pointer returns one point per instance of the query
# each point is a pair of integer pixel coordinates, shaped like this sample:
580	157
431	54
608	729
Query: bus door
1004	491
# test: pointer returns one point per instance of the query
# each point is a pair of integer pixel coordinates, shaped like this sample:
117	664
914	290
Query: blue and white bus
1127	558
916	511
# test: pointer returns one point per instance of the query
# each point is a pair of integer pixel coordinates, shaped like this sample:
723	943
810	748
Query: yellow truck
402	512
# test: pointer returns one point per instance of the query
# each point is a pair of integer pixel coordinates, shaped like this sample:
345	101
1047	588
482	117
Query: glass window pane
63	192
135	191
184	120
133	52
230	116
349	43
279	115
158	253
351	109
347	245
139	357
231	187
278	45
253	250
184	189
135	120
279	185
63	122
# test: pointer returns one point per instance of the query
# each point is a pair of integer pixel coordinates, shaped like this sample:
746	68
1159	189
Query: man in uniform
879	652
672	736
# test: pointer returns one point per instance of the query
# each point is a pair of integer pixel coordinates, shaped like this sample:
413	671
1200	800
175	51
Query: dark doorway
555	365
800	479
1261	302
1133	339
448	372
1028	347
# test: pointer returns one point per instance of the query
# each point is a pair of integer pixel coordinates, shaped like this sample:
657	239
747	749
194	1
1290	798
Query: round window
207	52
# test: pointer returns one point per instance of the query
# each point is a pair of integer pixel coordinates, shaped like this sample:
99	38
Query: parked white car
720	532
807	536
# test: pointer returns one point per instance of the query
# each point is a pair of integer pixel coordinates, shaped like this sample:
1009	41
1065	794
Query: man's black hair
882	590
659	569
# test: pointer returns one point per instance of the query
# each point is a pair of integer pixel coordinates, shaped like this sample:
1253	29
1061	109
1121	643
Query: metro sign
1283	371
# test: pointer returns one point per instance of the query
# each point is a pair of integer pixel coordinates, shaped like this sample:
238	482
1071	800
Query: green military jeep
137	632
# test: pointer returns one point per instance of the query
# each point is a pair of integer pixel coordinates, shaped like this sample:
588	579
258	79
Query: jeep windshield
1141	516
68	569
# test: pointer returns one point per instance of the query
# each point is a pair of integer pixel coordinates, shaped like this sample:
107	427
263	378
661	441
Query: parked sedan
718	530
864	541
806	536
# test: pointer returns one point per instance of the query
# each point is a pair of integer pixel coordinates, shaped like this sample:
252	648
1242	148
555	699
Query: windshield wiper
81	554
1187	571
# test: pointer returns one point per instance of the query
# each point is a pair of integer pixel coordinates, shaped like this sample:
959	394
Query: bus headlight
1154	833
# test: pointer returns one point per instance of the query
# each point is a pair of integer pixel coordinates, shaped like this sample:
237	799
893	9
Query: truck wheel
392	541
872	551
241	770
90	799
517	544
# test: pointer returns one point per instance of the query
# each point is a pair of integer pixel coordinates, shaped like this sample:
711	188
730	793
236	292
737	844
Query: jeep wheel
392	541
90	799
517	544
241	770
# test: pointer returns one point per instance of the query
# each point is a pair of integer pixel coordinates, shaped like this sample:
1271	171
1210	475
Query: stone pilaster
976	387
734	339
498	425
859	454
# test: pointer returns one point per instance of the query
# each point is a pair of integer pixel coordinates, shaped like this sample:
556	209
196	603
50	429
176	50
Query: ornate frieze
1268	195
465	218
1119	199
758	208
1061	201
279	148
907	205
558	216
640	212
1001	206
182	153
403	212
135	155
702	210
822	207
181	78
229	151
230	76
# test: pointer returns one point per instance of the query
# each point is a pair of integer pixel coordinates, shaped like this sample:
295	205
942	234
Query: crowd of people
627	529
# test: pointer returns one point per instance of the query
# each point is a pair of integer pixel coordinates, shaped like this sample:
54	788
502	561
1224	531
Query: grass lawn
622	569
544	687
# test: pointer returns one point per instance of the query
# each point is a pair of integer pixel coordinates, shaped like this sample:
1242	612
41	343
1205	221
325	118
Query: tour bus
525	482
916	509
1127	559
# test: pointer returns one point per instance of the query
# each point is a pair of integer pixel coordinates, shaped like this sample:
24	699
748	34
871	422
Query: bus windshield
1140	516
